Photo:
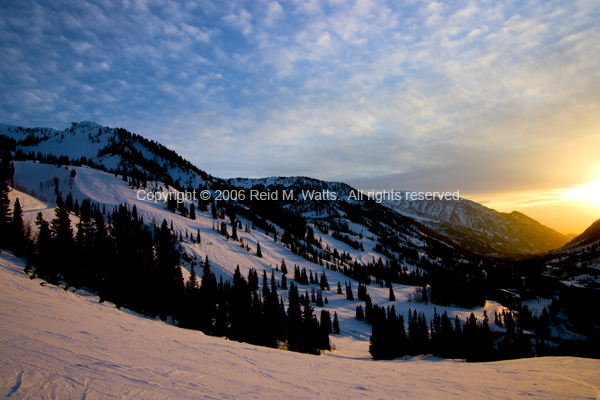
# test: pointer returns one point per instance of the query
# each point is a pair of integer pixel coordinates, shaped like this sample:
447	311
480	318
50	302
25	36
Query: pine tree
43	253
325	330
309	341
213	209
191	307
18	230
485	340
167	259
63	242
378	343
4	215
294	318
368	309
258	251
349	294
283	267
83	243
401	336
336	323
192	211
360	315
392	297
265	286
323	283
319	300
208	297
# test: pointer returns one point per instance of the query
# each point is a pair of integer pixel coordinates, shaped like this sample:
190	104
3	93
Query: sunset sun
589	192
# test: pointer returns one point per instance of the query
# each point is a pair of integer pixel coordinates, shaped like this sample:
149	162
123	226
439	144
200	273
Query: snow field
56	344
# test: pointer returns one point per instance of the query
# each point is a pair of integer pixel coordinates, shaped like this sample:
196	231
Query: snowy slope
225	255
63	345
464	220
111	148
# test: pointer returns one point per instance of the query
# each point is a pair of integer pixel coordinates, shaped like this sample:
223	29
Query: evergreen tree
360	315
258	251
459	341
294	318
470	337
349	294
101	254
368	309
191	308
423	335
192	211
239	307
325	330
221	321
265	286
379	343
413	333
63	242
319	300
485	341
283	267
234	235
310	338
208	297
169	271
83	244
4	215
392	296
18	230
401	336
43	254
213	209
323	283
336	323
446	338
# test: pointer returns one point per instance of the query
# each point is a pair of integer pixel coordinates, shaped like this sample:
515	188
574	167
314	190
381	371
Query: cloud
274	12
240	20
412	95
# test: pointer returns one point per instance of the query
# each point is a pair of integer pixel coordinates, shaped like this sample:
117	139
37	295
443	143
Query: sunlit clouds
487	98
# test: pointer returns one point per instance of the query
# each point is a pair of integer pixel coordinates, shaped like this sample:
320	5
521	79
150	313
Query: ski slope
56	344
225	255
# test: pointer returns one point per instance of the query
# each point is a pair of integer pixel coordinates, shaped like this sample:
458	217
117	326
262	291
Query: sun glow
590	192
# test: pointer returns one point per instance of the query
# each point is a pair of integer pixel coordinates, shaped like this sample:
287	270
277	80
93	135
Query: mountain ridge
506	233
462	223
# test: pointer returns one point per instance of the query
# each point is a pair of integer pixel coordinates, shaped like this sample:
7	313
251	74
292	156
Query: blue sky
484	97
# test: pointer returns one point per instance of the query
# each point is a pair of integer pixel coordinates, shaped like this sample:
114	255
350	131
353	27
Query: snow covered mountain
319	227
325	204
474	226
110	149
462	224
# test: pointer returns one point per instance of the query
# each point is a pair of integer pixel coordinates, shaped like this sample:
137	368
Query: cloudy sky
497	99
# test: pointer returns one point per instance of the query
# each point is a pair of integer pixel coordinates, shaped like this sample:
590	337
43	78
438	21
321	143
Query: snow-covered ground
62	345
